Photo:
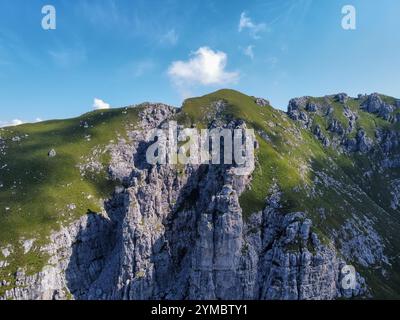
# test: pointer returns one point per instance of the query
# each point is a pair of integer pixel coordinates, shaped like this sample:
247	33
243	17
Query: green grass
37	189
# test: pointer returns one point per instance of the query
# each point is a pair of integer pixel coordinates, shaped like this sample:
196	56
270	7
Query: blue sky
125	52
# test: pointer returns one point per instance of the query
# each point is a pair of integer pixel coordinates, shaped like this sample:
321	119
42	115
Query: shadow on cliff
98	240
173	252
94	242
97	251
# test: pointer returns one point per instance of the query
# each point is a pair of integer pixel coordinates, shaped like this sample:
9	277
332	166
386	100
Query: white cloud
170	38
15	122
99	104
254	28
248	51
205	67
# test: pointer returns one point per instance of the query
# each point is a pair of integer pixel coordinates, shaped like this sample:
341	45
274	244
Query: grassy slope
37	189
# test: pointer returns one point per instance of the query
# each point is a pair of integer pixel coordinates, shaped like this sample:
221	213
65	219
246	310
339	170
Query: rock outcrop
375	104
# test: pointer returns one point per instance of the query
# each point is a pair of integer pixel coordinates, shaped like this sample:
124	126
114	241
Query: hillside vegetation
314	154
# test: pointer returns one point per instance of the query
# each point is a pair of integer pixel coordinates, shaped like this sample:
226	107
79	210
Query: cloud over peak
99	104
205	67
15	122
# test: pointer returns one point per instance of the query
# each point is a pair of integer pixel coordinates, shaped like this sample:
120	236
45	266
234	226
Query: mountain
84	216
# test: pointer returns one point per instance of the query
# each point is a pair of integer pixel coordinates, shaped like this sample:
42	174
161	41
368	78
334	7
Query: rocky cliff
286	230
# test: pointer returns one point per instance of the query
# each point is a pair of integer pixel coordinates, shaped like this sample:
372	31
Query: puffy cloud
205	67
99	104
254	28
248	51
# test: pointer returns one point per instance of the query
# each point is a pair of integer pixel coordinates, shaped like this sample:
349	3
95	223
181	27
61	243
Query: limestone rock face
295	112
262	102
375	104
342	97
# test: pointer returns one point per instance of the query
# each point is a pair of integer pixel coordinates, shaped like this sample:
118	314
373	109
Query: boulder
52	153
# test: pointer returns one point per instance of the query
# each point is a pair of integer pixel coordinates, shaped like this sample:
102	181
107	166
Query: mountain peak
326	189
